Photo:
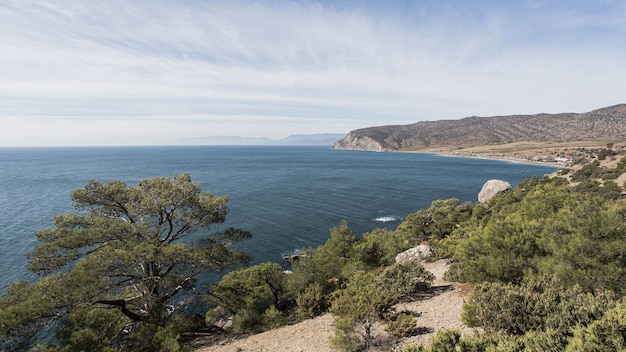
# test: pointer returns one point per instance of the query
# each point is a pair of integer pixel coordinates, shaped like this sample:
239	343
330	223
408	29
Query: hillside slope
439	310
606	124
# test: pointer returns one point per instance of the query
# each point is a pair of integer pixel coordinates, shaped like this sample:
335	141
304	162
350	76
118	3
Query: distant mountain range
321	139
602	124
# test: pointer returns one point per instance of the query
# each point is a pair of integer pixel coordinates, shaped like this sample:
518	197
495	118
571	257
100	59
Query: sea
287	197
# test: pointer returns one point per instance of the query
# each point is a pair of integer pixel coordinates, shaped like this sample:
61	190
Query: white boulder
491	188
420	253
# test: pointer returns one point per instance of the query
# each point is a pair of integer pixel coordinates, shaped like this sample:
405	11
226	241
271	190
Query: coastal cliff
355	141
606	124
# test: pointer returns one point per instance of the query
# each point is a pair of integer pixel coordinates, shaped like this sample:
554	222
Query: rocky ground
441	309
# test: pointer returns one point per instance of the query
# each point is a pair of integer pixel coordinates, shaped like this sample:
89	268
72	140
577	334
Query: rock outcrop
491	188
354	141
419	253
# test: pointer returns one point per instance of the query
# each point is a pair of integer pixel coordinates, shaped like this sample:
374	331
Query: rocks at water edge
491	188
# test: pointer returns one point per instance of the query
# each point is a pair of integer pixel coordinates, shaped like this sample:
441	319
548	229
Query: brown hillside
606	124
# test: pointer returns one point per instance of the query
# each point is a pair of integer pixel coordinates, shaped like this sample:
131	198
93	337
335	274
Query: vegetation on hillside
547	266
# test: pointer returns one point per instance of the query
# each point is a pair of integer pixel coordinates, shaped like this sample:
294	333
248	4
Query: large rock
491	188
420	253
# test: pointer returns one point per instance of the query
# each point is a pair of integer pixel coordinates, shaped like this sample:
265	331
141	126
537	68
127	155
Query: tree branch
121	303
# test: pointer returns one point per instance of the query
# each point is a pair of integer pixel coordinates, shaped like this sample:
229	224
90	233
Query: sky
156	72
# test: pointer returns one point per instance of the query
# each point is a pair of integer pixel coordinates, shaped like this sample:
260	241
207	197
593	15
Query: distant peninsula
319	139
495	134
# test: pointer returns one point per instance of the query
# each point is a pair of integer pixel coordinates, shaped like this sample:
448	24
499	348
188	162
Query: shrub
362	302
345	338
445	341
402	325
273	318
435	223
312	302
536	305
405	278
605	334
414	348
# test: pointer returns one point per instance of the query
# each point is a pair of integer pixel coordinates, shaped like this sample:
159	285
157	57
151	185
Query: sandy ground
525	152
440	310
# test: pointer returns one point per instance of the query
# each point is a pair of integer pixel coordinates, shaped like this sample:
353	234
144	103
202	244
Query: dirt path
442	310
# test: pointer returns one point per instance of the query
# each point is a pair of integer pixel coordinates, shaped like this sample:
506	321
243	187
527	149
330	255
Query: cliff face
354	141
602	124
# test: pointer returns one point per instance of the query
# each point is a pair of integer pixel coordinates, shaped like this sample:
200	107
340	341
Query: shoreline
555	164
512	159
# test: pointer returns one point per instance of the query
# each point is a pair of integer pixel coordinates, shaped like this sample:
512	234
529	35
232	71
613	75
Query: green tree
380	247
312	301
435	223
126	248
584	244
501	251
326	264
247	295
360	305
550	229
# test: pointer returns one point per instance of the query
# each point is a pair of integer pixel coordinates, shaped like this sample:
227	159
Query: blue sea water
288	197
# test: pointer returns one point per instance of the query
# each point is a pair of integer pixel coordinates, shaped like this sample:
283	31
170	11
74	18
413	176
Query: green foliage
337	252
535	305
91	329
593	170
584	244
550	229
325	265
122	249
604	153
363	299
247	294
589	171
545	341
502	251
380	247
435	223
401	325
273	318
609	190
605	334
403	279
414	348
345	338
312	301
621	165
362	302
445	341
157	338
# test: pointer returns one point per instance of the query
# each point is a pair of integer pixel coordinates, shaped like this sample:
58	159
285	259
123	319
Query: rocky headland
537	138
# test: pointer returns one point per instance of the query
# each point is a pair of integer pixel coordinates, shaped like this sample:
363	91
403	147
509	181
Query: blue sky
155	72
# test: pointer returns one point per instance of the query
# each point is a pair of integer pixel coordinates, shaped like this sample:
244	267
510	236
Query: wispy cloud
154	72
